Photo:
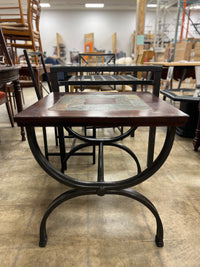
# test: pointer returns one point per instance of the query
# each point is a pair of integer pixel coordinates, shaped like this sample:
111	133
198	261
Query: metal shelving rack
161	28
161	25
163	10
183	6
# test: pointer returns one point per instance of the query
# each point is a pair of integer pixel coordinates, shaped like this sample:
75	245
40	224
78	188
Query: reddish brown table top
101	109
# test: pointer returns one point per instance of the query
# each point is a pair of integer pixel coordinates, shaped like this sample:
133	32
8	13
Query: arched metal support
123	147
127	183
97	140
70	194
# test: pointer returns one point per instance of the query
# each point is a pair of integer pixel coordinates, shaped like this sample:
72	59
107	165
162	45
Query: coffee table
133	109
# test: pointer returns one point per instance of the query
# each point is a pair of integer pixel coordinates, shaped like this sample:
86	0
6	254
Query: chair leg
22	95
9	97
40	44
56	136
10	114
94	147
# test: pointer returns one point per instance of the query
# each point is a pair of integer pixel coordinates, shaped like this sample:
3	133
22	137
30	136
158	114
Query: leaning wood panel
114	43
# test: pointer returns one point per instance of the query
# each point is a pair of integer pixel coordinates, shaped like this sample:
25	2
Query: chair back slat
12	14
33	76
34	11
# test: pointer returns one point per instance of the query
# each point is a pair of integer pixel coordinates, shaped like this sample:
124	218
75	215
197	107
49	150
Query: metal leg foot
43	242
43	235
159	242
23	134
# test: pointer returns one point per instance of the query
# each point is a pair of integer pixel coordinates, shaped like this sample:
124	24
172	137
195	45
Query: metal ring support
97	140
129	151
114	185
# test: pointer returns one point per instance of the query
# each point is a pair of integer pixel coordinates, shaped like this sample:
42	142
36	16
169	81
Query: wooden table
11	74
103	110
181	70
176	64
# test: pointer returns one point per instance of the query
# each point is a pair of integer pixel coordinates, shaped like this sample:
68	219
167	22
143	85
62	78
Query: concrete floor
94	231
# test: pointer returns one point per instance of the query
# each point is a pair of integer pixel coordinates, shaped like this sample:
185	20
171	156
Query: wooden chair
140	60
21	33
91	58
144	56
3	99
3	94
13	16
140	57
4	50
8	88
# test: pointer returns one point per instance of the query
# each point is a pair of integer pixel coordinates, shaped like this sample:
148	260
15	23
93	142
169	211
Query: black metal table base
102	187
124	192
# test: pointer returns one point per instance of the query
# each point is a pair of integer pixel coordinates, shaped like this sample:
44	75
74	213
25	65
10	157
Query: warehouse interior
102	228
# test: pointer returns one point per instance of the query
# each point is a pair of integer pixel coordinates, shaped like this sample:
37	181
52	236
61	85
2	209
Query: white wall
72	25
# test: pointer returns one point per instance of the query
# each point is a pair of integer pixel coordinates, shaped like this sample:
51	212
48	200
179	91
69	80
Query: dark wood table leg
19	104
196	140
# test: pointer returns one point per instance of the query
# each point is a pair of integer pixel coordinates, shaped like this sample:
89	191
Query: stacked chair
3	96
21	30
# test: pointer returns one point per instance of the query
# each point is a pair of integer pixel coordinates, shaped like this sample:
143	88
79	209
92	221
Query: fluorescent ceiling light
151	5
94	5
45	5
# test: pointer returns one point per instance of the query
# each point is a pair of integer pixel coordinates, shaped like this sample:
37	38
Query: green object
140	39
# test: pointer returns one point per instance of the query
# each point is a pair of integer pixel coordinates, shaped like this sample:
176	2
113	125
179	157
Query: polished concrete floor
94	231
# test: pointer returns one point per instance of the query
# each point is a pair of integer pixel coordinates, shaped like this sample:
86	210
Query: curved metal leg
146	202
124	192
127	183
102	187
55	203
129	151
123	147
